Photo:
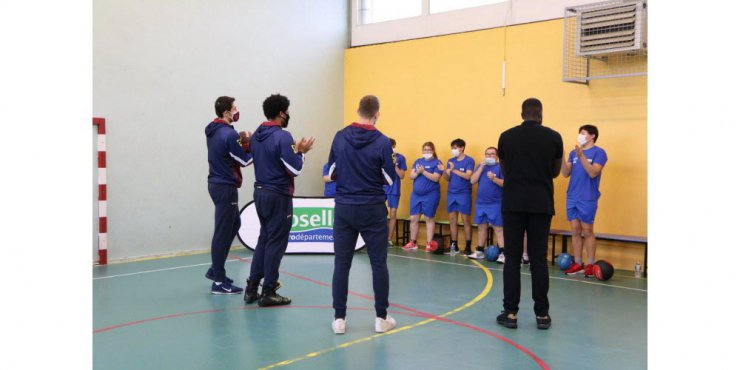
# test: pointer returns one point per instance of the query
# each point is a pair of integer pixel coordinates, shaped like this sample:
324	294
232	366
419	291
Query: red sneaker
410	246
588	271
428	248
575	268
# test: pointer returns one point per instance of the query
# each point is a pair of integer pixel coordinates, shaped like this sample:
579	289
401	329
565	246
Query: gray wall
159	66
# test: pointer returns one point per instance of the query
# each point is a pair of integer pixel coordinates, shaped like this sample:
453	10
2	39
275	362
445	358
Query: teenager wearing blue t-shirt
330	186
393	192
458	171
425	172
583	165
488	203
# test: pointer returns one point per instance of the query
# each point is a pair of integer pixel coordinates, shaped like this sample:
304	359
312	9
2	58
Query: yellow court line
486	290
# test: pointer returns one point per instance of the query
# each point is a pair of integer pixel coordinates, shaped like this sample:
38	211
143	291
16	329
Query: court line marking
157	270
480	296
523	273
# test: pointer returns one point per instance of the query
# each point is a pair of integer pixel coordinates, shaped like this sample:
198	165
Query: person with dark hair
393	192
531	156
584	166
228	151
459	193
277	161
490	182
361	160
330	186
426	173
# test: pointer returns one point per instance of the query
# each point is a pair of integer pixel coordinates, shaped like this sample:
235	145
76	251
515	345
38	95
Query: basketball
603	270
564	261
492	253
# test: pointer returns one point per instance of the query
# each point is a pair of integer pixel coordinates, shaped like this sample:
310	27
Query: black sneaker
250	292
210	276
271	298
505	320
225	288
545	323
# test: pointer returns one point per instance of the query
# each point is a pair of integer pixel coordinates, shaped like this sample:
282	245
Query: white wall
158	67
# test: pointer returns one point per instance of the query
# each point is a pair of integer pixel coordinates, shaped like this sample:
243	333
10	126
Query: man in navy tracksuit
276	163
227	152
361	161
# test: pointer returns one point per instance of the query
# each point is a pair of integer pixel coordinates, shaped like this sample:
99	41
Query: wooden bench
403	228
564	234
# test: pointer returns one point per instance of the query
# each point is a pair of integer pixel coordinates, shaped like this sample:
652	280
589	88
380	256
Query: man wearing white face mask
584	166
488	203
459	193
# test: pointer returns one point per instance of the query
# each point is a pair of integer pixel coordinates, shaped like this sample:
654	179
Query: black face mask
285	120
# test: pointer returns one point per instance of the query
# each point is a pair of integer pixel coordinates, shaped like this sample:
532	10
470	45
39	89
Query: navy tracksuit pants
228	221
275	212
371	222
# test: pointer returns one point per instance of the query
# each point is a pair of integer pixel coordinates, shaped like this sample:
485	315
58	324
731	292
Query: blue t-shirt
395	189
581	185
459	185
488	191
423	185
330	188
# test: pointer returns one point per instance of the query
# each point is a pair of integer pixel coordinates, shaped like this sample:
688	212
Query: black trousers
226	200
275	212
537	227
371	222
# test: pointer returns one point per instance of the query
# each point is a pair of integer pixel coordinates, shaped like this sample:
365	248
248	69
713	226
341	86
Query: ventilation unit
610	27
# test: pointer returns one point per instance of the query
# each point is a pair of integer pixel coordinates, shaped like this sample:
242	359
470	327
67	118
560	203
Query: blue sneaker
225	288
209	276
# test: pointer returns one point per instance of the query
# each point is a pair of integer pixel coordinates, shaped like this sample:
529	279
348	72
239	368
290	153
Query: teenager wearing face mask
583	166
488	203
425	173
277	161
458	172
228	151
393	192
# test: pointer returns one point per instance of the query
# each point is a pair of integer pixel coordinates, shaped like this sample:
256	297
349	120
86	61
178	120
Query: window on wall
374	11
439	6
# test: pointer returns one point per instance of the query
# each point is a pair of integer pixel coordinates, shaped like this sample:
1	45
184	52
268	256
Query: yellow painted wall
446	87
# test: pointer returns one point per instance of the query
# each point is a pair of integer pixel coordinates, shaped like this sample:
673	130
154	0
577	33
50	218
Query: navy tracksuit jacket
226	155
361	161
275	167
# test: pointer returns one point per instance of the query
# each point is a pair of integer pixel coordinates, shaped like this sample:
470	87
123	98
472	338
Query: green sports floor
159	314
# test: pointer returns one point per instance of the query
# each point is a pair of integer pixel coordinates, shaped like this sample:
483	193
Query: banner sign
312	230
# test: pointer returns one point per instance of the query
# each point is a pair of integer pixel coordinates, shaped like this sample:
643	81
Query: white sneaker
501	258
477	255
382	326
339	326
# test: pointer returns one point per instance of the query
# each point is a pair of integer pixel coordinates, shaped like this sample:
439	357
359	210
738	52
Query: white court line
524	273
157	270
390	255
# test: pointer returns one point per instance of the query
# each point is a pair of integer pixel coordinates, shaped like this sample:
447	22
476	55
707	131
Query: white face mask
427	156
582	139
490	161
455	152
394	150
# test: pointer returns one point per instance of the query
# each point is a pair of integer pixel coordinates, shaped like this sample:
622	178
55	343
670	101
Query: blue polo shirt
581	185
330	188
488	191
423	185
459	185
395	189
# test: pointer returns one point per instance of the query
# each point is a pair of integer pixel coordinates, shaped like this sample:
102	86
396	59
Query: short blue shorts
393	200
582	210
459	203
424	204
489	213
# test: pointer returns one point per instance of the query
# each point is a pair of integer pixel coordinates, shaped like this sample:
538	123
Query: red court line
516	345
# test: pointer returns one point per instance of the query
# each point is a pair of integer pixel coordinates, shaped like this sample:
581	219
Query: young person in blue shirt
488	202
583	166
330	186
458	172
228	151
277	161
425	173
393	192
361	160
